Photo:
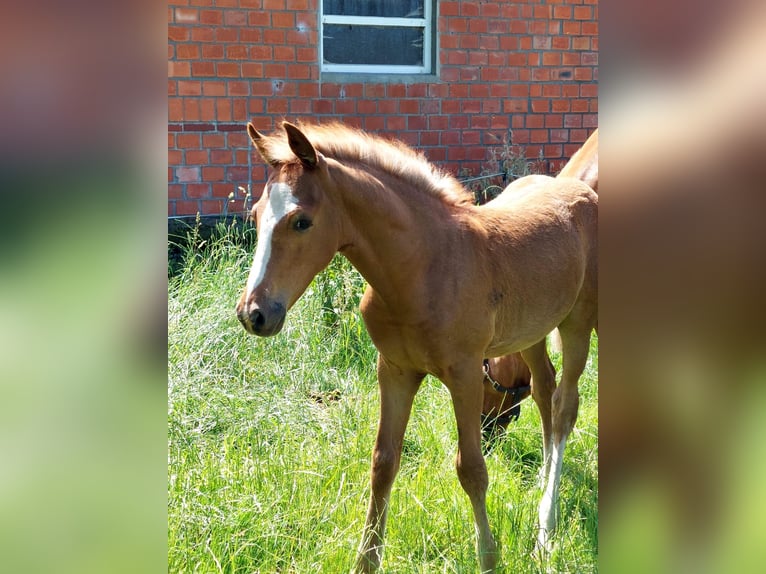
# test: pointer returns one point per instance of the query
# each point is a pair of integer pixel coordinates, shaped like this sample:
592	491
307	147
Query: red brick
228	69
274	70
187	174
196	157
554	121
581	43
203	34
409	107
518	27
210	88
541	42
189	88
186	207
477	26
212	173
515	106
178	33
590	28
212	51
236	52
226	34
583	12
235	18
283	20
458	25
580	106
212	141
187	51
175	191
191	110
551	58
250	35
560	43
345	107
284	53
538	28
211	17
220	156
572	28
259	19
239	110
571	59
552	150
449	8
211	206
179	69
306	55
203	69
559	136
274	37
186	15
572	120
299	72
223	190
323	106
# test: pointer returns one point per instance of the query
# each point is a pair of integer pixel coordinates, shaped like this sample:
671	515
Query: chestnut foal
450	283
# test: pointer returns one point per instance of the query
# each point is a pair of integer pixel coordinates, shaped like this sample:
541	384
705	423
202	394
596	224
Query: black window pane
381	8
381	45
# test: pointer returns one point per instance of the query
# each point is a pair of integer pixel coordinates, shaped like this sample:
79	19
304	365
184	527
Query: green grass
269	443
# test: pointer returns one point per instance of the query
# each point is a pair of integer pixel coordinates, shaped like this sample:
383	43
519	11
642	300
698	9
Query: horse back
544	246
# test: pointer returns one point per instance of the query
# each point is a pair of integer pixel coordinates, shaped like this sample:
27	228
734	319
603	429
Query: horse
449	283
507	378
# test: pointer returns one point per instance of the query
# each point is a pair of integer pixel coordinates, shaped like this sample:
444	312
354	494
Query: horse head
297	232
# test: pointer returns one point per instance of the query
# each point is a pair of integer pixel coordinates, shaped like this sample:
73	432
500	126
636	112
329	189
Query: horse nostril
258	320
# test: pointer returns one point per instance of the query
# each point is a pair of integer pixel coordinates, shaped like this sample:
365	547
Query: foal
450	283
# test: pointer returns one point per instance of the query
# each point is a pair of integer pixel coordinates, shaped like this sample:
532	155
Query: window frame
426	23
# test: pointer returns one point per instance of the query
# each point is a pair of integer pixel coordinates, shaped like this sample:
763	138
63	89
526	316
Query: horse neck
388	228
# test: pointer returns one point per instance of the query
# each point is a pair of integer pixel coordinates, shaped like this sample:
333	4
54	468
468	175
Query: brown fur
449	284
510	370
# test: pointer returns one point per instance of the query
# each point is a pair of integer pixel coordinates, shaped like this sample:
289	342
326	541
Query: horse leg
543	385
397	391
467	395
575	339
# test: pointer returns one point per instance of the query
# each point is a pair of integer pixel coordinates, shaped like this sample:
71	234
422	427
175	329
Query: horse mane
349	145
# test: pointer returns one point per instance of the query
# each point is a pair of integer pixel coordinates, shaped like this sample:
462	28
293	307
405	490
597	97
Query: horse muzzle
263	320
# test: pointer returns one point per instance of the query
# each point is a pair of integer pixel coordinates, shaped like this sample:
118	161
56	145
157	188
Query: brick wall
530	68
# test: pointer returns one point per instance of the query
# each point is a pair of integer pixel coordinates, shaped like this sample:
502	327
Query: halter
514	392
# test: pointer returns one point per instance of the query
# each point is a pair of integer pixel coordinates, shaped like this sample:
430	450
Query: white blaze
281	202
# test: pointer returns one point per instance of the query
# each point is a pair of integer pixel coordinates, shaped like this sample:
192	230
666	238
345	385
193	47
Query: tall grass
269	442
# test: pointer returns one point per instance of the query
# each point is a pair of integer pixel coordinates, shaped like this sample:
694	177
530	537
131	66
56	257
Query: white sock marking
547	509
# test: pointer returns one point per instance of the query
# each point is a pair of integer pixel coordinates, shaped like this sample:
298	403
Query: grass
269	442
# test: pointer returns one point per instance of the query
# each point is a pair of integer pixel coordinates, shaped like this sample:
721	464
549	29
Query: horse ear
260	142
300	145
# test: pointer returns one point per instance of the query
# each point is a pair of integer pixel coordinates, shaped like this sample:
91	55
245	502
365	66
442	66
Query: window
377	36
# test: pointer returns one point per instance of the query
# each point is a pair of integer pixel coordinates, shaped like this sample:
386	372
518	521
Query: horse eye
302	224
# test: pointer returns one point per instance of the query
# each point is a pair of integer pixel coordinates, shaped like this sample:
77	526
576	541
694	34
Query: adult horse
507	378
449	284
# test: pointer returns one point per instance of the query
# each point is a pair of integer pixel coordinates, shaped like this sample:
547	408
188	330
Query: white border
425	23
